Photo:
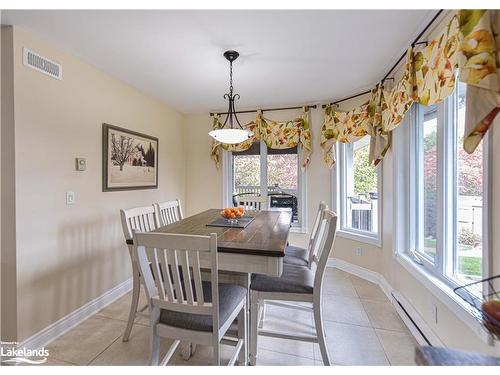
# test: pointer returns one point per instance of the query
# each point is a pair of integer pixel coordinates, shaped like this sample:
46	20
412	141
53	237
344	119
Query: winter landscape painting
130	159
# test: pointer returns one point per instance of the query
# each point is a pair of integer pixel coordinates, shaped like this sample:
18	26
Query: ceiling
286	57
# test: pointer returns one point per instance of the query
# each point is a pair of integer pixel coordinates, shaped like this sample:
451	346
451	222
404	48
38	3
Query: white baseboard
417	325
63	325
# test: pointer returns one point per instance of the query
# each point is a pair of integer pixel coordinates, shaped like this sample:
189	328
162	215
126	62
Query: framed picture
129	159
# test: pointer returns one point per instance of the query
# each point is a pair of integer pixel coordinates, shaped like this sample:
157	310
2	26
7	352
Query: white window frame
339	181
434	277
228	180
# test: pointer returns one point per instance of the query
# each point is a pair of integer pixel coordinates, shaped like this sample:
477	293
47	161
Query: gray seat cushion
293	280
230	295
296	256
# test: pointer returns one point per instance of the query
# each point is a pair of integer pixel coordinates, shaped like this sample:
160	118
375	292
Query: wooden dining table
257	248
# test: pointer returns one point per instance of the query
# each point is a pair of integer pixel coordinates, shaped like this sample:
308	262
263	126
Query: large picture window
446	192
268	172
357	197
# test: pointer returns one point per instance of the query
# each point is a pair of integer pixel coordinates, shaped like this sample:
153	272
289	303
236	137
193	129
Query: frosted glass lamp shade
230	136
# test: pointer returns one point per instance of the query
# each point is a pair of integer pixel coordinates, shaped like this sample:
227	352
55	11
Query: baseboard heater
409	320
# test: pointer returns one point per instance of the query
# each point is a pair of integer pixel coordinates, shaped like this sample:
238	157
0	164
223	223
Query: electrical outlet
70	197
358	251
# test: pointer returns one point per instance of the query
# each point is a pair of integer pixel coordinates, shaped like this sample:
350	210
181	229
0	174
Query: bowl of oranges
232	214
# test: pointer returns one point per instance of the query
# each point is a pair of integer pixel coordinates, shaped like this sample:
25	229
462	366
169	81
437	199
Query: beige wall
8	213
67	255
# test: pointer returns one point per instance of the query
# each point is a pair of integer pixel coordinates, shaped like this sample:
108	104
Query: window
265	171
358	194
442	222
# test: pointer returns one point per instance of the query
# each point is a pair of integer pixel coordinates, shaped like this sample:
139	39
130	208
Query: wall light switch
70	197
358	251
81	164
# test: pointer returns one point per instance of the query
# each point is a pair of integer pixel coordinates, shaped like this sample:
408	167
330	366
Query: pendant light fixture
231	134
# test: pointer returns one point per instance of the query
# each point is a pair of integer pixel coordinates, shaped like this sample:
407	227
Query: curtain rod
413	44
265	110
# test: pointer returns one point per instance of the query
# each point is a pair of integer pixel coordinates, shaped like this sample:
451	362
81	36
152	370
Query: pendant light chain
231	79
231	134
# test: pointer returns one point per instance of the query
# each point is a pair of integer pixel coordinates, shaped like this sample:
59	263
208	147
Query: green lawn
470	266
467	266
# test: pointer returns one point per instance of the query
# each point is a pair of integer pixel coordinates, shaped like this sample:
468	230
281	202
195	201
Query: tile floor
362	328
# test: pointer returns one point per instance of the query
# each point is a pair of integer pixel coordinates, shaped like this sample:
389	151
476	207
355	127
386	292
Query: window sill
444	293
355	236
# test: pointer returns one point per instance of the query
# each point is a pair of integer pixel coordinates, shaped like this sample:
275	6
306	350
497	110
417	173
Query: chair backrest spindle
168	212
323	245
142	219
253	202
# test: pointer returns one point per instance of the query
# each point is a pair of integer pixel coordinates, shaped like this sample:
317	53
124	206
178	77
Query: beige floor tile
121	307
399	347
86	341
49	362
332	273
344	310
289	321
353	345
340	287
368	290
271	358
291	347
383	315
202	356
135	352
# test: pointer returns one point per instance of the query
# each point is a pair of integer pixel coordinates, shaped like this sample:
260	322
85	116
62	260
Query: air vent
43	65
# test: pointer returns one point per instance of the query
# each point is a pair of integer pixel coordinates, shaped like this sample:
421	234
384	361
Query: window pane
282	179
427	244
469	199
246	170
361	198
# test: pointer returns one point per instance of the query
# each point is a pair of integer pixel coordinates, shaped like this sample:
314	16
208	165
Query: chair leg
155	349
320	333
242	334
254	329
216	359
154	338
136	291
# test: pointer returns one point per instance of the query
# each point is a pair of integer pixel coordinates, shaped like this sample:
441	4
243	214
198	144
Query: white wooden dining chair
141	219
253	202
297	256
304	256
296	284
181	305
168	212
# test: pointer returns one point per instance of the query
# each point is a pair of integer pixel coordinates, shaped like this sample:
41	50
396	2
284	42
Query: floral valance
343	127
276	134
470	42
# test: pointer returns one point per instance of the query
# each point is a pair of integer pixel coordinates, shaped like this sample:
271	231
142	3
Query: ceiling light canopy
231	134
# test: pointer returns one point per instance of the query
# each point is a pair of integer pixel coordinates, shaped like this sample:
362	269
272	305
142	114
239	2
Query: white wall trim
355	270
394	297
63	325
